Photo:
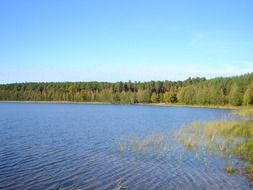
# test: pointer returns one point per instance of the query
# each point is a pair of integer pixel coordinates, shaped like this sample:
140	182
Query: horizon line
101	81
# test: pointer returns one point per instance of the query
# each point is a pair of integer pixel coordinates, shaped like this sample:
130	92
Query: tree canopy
235	90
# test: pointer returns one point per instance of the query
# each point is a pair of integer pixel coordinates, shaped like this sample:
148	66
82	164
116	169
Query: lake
48	146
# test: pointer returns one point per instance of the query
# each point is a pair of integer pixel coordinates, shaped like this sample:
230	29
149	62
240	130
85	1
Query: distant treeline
235	91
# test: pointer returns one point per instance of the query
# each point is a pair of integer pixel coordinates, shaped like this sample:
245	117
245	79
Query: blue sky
113	40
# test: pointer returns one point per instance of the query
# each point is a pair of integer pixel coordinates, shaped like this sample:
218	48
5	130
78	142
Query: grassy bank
196	105
226	138
245	111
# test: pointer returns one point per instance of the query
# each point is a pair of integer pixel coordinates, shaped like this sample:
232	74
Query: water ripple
74	147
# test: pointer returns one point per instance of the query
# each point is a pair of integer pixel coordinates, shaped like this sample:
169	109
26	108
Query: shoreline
144	104
52	102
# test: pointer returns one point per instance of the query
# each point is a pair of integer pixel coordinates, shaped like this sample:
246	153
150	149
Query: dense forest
235	91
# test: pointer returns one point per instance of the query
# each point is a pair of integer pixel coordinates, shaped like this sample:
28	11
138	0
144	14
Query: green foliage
218	91
143	96
154	97
235	95
125	97
248	96
170	97
187	95
247	99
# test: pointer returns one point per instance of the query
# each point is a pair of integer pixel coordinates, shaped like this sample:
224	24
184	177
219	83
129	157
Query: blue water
48	146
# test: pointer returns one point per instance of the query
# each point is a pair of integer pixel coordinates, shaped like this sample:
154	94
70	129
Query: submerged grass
232	140
153	142
228	138
120	186
230	169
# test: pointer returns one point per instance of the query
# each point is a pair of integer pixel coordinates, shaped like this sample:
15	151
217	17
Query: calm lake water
47	146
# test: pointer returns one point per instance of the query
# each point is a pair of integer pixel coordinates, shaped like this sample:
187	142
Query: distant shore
108	103
51	102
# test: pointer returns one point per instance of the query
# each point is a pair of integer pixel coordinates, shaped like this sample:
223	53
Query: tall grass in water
155	146
153	142
229	138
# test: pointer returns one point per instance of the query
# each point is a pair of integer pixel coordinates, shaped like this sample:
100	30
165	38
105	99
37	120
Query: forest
236	91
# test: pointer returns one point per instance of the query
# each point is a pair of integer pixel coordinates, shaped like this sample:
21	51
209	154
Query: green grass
229	138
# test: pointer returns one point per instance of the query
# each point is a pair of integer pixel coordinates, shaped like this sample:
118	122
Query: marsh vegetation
154	143
246	111
228	139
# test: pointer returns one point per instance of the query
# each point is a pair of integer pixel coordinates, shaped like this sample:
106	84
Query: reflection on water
48	146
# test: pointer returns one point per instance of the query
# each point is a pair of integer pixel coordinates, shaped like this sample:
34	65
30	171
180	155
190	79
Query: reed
231	138
142	145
